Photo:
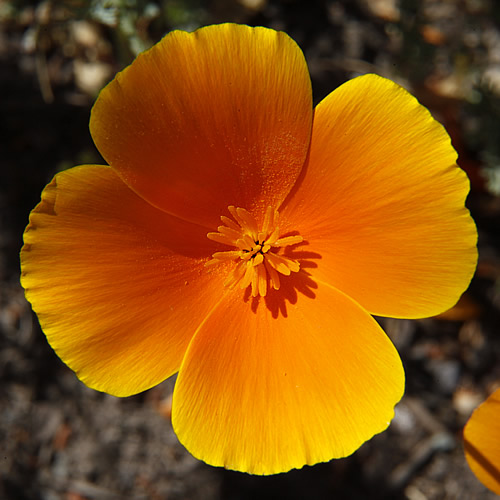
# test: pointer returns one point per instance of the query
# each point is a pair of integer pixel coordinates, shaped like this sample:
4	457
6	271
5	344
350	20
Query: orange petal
304	376
204	120
482	442
382	202
119	286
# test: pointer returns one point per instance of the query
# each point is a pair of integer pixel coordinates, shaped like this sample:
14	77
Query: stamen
230	223
229	255
280	264
262	280
231	233
273	237
220	238
250	222
288	240
255	252
258	259
236	275
273	275
247	278
268	220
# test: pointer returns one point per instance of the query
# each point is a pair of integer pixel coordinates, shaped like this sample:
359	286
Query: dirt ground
62	441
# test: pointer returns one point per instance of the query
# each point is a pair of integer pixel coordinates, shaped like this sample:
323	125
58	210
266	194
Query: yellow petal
119	286
381	202
304	376
204	120
482	442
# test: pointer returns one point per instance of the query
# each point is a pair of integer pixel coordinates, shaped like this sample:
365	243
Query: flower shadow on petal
292	286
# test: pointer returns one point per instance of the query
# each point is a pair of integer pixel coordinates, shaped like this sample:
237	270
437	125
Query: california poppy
243	241
482	442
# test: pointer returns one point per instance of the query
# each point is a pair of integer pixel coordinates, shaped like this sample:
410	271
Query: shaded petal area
263	393
382	202
482	442
118	285
204	120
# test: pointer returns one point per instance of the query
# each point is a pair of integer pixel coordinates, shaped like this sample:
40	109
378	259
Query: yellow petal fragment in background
285	381
113	280
482	442
382	202
204	120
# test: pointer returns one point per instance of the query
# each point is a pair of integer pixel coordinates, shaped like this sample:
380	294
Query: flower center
258	263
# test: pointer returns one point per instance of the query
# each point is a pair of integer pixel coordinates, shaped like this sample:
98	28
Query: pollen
255	251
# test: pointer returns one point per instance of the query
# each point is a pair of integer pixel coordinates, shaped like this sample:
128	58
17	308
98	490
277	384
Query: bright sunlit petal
482	442
302	376
382	202
209	119
113	280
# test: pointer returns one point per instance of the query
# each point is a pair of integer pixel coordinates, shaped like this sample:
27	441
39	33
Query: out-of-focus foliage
126	16
456	54
483	134
131	18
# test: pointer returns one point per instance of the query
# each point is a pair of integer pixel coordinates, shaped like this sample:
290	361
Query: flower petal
205	120
482	442
118	285
304	376
382	202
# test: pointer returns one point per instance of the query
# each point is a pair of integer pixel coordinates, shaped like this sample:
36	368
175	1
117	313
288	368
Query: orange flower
267	316
482	442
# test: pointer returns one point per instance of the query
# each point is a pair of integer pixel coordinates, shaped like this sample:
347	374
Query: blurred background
62	441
